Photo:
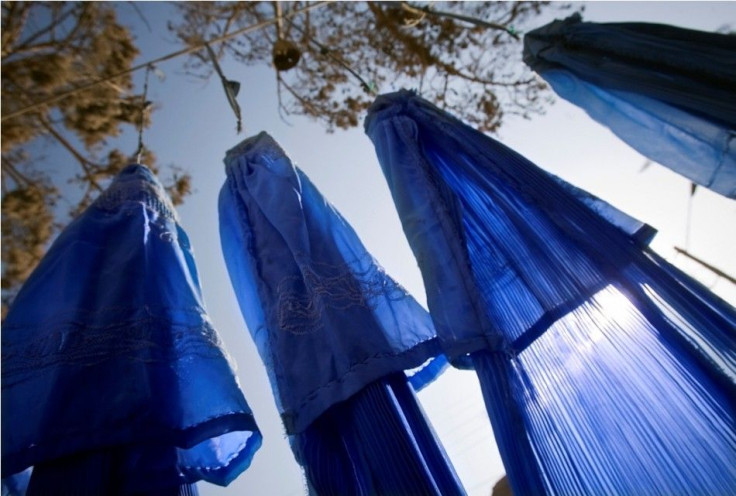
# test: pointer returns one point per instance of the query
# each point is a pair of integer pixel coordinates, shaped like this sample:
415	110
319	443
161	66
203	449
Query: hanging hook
144	106
232	88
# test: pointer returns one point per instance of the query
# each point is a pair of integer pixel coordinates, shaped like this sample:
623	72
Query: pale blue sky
194	127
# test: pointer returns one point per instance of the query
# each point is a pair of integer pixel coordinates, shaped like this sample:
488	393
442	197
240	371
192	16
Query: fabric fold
335	333
600	364
108	348
325	316
666	91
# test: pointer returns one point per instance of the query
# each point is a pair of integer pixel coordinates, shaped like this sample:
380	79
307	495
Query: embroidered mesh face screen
333	329
604	369
666	91
113	375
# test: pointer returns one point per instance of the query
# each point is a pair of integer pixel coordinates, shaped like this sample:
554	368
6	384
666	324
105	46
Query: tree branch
22	51
10	34
472	20
425	54
305	103
84	162
183	51
141	16
281	107
55	22
14	173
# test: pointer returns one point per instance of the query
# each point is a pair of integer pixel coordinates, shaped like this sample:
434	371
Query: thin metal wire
142	121
184	51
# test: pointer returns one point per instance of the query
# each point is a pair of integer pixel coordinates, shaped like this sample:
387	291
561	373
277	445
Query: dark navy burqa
668	92
334	331
604	369
114	380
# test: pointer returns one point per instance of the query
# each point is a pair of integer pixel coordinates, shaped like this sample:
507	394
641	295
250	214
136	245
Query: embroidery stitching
148	340
340	287
136	191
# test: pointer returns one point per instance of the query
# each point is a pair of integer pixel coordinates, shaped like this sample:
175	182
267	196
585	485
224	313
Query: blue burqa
334	331
114	380
669	92
604	369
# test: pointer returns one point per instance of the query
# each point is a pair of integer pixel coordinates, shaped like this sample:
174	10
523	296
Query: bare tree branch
477	22
83	161
9	168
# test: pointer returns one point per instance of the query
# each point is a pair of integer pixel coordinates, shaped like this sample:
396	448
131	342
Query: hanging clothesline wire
184	51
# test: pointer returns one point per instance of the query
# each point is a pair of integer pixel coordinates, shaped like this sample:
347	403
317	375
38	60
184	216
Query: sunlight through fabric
114	380
334	331
604	369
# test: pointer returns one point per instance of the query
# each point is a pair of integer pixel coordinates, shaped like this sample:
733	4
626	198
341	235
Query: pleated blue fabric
17	484
107	351
604	369
334	331
377	442
666	91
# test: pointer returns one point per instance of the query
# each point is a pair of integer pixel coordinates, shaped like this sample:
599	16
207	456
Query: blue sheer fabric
327	320
16	484
377	442
666	91
107	348
604	369
334	331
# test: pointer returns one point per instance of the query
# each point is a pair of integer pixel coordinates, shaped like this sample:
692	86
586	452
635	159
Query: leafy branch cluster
49	48
334	57
471	71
